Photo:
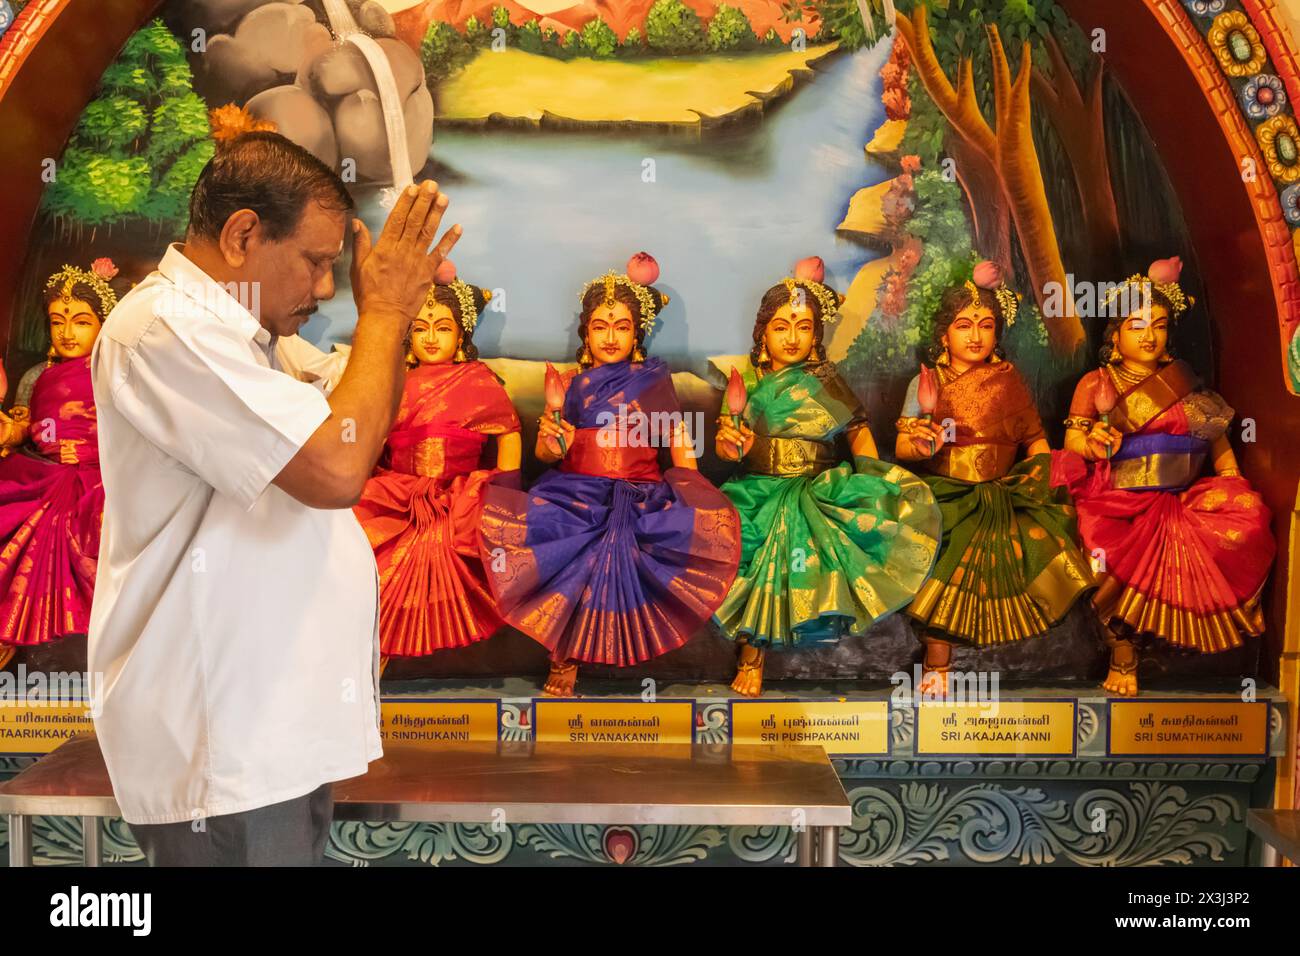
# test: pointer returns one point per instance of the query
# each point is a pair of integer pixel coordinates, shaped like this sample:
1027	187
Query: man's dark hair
268	174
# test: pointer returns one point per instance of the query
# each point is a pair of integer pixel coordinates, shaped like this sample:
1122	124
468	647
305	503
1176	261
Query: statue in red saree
1181	556
421	508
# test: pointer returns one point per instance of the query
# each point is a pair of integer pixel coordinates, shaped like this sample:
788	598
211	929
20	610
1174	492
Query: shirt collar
214	298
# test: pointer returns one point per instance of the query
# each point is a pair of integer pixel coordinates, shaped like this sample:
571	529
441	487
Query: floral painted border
1247	67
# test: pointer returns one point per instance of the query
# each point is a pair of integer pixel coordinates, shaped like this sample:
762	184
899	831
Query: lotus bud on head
736	397
1106	398
1165	271
104	268
987	275
927	390
642	269
554	388
445	274
811	268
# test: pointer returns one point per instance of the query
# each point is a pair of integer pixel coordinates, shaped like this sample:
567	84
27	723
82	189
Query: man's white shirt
235	629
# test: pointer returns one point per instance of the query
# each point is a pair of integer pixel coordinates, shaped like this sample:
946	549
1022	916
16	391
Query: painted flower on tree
1236	43
1279	140
1263	96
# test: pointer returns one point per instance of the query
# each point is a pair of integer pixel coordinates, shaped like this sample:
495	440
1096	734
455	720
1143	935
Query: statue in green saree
832	538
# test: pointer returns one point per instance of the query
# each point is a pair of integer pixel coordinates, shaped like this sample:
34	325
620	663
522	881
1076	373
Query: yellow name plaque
614	721
1219	728
996	728
431	724
837	726
33	728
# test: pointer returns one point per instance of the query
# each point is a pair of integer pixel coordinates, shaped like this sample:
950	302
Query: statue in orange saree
1009	566
421	508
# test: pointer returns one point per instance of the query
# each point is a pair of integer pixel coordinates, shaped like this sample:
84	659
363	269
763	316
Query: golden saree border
1150	397
789	457
975	462
956	609
961	614
1158	470
1059	584
1211	633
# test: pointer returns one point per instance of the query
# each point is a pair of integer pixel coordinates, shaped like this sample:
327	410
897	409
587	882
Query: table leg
1269	856
804	846
828	846
20	840
91	841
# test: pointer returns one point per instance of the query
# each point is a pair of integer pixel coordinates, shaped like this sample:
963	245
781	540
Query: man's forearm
370	390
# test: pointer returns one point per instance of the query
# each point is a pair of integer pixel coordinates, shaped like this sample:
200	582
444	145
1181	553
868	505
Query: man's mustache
305	309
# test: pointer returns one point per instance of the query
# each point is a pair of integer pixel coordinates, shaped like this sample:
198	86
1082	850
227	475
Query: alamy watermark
41	689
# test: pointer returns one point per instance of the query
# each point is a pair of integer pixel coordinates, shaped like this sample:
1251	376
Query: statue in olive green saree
1010	565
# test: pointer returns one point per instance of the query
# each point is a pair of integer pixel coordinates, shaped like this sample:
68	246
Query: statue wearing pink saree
51	494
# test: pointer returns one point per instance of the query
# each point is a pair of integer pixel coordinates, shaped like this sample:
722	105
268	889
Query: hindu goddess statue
1181	556
832	538
51	493
422	506
606	559
1009	566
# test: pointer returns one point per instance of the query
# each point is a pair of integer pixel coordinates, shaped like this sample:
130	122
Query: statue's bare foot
935	666
1122	678
934	685
749	671
561	680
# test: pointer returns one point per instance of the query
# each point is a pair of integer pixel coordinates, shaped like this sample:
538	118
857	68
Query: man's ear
239	232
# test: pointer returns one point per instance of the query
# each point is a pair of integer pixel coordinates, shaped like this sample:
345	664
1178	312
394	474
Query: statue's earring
944	358
585	358
763	357
638	355
1115	357
814	355
460	354
51	355
411	360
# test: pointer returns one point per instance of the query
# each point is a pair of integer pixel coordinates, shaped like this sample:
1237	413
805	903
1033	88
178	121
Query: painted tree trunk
1011	153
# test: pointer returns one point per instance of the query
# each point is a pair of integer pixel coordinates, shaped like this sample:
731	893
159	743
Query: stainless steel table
668	784
1280	831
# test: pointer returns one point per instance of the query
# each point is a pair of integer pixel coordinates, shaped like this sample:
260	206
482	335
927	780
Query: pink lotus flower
1106	397
927	391
736	396
988	275
445	274
642	269
811	268
554	388
1166	270
104	268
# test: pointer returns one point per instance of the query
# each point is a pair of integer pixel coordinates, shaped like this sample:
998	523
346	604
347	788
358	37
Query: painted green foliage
730	30
140	144
673	27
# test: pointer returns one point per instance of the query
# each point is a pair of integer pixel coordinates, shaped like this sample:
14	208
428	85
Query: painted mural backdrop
729	140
